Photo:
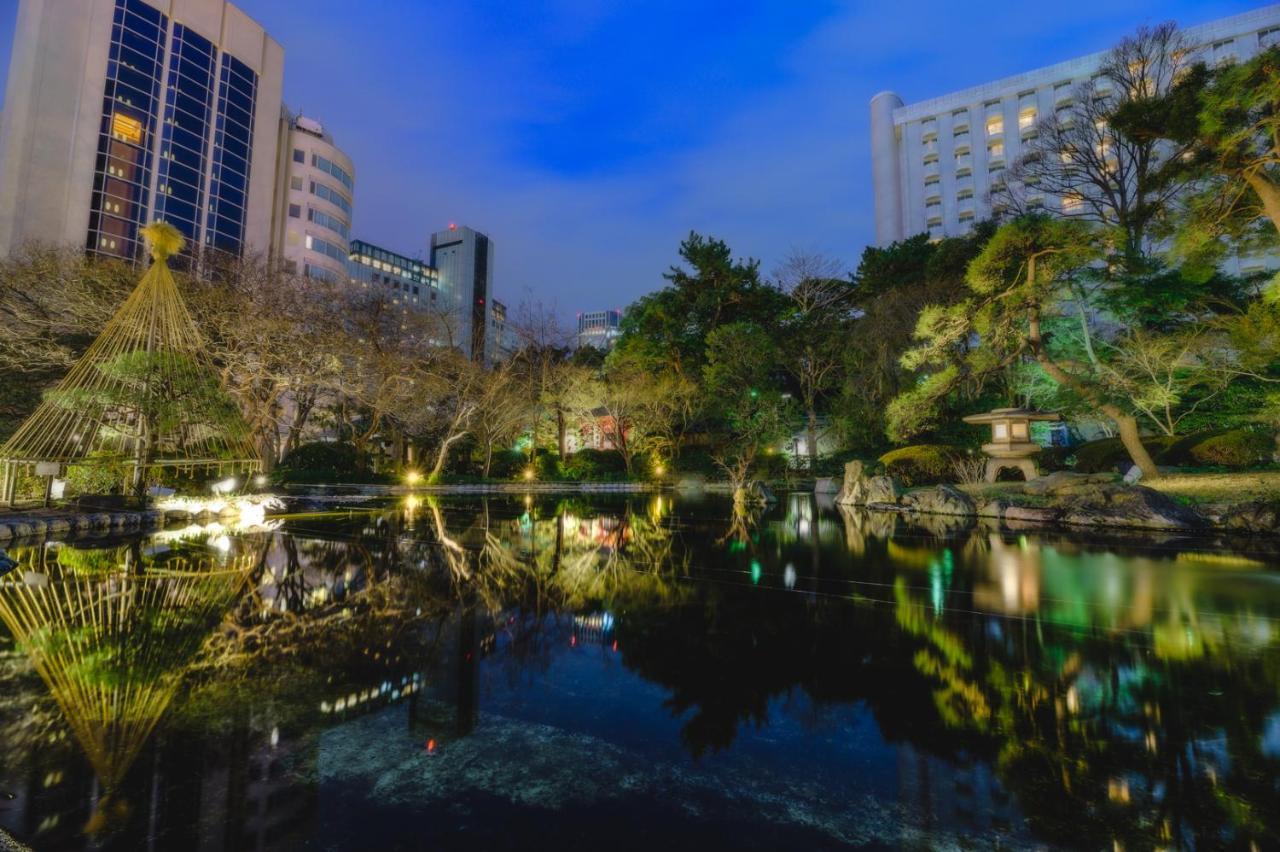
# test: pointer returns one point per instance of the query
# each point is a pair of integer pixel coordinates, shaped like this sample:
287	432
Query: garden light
413	477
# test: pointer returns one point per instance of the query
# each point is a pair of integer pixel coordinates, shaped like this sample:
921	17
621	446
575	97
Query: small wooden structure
1011	444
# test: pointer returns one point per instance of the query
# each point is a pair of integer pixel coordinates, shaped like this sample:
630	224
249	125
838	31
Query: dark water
649	673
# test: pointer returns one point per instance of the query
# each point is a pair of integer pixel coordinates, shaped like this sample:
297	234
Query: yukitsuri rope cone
144	394
112	642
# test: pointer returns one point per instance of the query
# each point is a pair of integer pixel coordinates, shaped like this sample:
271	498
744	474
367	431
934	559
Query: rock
1032	514
21	529
991	508
826	485
58	526
1256	516
862	490
756	493
1133	506
100	521
5	532
941	500
1064	481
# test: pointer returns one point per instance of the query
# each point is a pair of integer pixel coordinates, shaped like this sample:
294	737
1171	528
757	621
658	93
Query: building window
295	183
1072	203
298	156
995	125
295	211
1269	37
1026	118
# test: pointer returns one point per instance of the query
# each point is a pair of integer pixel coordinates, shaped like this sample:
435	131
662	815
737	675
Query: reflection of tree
1093	724
112	644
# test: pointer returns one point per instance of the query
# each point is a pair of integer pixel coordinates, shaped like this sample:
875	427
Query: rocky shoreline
1069	499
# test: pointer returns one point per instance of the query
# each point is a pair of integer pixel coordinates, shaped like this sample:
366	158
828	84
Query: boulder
1134	506
1065	482
1032	514
941	500
1256	516
859	489
58	526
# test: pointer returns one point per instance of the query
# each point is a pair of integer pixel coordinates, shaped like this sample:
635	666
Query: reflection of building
600	329
935	162
939	797
315	193
121	112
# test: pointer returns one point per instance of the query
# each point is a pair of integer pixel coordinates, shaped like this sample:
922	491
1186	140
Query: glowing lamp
225	486
413	477
528	473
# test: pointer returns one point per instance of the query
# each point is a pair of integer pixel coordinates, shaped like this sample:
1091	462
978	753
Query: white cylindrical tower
316	192
886	170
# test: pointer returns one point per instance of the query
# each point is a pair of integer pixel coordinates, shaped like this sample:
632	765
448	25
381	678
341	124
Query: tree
743	393
813	332
892	286
1016	283
1125	182
1228	121
503	408
669	328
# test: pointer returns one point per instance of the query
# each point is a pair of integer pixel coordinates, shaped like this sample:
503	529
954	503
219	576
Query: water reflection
364	677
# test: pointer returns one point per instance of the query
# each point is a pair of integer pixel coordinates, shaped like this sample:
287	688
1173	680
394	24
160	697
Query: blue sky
588	137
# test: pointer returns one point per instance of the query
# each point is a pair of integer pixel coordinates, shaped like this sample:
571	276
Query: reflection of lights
275	737
1118	790
756	571
1073	700
221	543
789	576
412	503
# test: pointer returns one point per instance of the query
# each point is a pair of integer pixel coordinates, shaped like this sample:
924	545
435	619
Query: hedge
922	464
1237	448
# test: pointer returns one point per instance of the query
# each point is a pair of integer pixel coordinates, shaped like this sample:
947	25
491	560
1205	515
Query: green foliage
100	473
670	327
1237	448
325	461
588	465
922	464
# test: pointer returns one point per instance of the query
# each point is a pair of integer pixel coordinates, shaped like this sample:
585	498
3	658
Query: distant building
121	112
600	329
412	281
935	162
464	259
315	199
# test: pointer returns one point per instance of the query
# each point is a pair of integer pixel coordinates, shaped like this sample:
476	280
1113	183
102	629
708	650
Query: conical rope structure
144	394
113	644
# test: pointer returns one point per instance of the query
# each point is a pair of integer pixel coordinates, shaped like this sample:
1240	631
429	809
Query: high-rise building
121	112
315	197
464	259
934	163
600	329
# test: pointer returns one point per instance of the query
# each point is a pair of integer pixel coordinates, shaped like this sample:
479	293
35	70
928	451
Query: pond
638	672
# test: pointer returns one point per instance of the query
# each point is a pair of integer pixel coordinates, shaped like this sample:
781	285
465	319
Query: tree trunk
1268	193
1132	441
813	439
488	458
562	433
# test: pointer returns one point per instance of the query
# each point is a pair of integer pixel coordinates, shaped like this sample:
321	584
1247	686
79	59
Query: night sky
588	137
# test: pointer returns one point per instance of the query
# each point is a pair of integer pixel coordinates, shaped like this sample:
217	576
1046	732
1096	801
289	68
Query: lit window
1072	202
1027	118
996	150
995	125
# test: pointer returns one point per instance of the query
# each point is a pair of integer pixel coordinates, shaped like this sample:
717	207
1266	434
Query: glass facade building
410	281
119	113
203	116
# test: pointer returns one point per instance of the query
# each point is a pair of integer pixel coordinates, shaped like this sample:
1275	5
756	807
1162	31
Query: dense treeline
1109	288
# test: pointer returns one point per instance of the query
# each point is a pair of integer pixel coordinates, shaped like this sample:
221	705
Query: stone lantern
1011	444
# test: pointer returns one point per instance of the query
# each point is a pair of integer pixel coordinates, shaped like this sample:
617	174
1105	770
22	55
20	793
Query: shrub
1237	448
922	464
1109	455
324	461
547	466
591	465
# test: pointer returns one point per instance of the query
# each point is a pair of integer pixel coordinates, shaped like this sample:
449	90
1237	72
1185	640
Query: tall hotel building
315	191
121	112
934	163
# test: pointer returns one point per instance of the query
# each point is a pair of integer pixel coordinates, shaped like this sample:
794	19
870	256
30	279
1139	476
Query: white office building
121	112
934	163
463	259
315	198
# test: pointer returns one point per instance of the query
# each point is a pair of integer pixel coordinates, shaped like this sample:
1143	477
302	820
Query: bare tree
1095	171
